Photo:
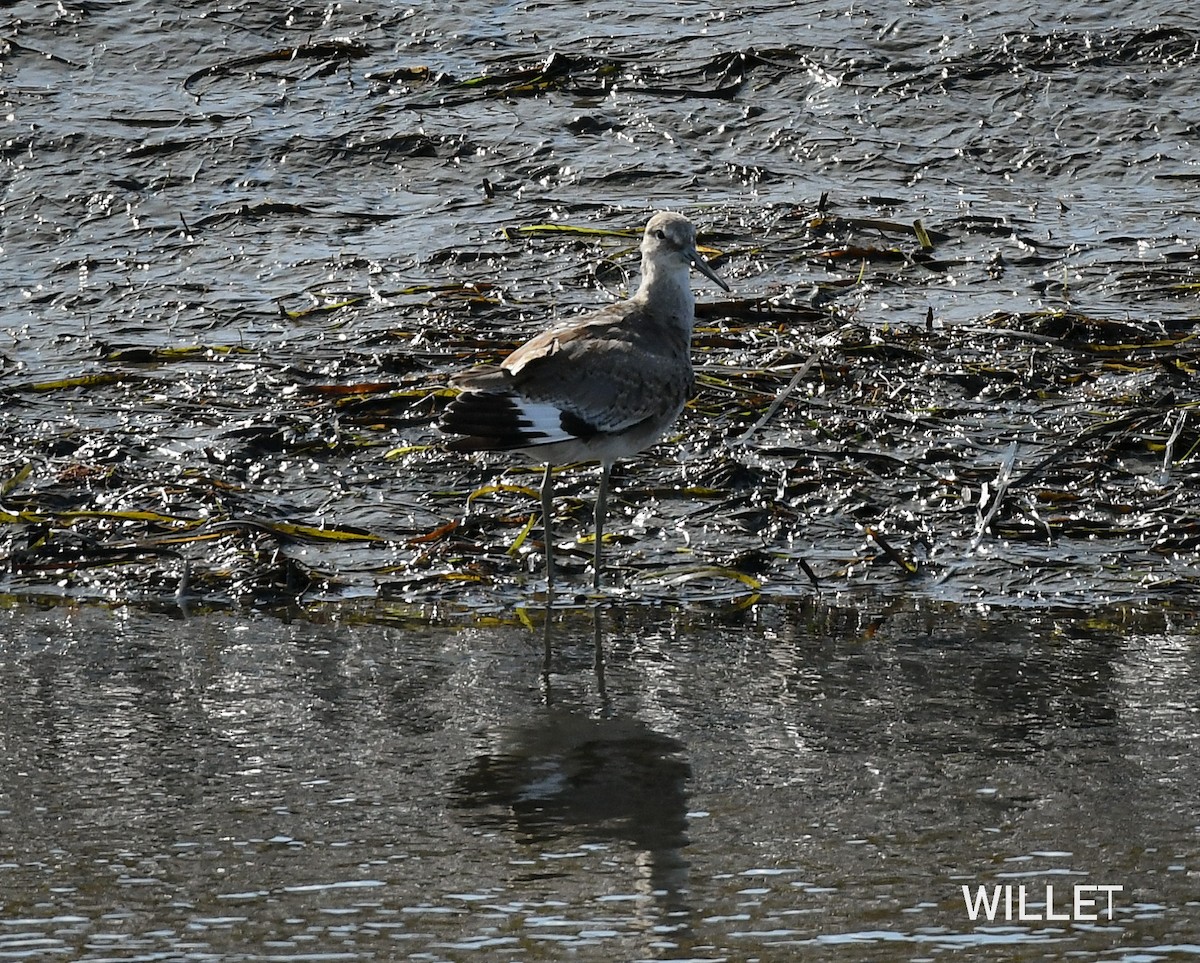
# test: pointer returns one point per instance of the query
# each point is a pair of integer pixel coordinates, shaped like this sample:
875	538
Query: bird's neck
668	291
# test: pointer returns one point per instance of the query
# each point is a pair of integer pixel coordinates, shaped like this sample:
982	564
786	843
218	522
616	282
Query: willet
599	387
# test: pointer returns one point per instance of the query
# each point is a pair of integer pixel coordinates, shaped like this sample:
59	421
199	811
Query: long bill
706	269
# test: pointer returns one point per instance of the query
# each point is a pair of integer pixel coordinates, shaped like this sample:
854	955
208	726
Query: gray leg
601	508
548	524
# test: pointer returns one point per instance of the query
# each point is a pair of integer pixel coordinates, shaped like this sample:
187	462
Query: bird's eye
660	234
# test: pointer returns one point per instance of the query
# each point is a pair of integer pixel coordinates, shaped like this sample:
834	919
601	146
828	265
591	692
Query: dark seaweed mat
233	470
234	478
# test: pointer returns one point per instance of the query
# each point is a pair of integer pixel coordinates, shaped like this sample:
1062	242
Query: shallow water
814	782
267	688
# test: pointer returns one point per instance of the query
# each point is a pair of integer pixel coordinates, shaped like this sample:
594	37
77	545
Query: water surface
811	782
269	689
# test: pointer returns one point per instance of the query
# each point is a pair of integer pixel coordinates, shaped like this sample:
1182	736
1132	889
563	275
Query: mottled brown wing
611	371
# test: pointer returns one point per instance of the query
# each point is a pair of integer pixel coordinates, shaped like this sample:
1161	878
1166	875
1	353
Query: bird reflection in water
590	777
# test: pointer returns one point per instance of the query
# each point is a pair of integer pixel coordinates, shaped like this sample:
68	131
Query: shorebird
599	387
